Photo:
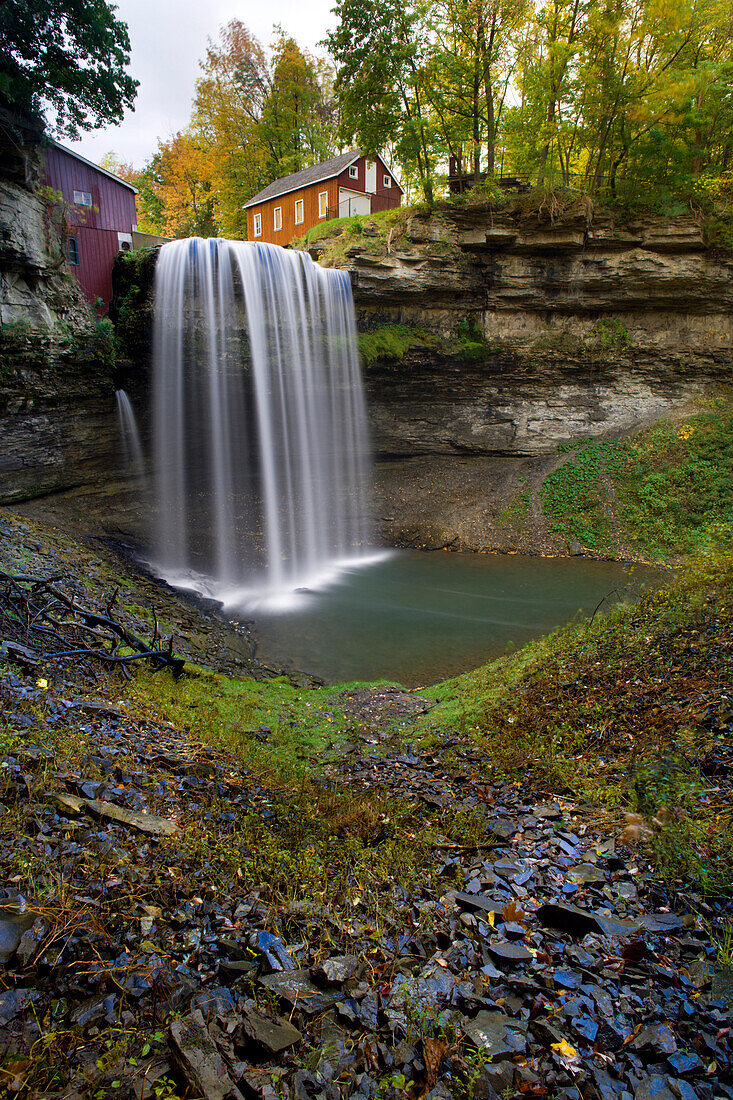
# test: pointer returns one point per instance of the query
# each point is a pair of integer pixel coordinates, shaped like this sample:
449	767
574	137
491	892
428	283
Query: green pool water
422	617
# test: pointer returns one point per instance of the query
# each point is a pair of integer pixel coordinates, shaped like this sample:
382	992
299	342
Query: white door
371	177
353	202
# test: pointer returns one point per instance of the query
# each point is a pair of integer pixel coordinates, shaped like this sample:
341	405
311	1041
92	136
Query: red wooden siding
94	227
385	198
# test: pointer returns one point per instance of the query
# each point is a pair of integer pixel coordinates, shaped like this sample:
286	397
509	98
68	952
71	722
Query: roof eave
91	164
299	187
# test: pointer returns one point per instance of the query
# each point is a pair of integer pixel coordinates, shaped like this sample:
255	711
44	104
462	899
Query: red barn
337	188
100	215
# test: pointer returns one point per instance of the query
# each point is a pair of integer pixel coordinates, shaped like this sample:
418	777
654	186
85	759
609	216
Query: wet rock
274	954
260	1084
213	1001
431	988
495	1035
269	1036
583	874
654	1088
608	1038
296	989
509	954
144	823
567	979
93	1009
481	902
15	1001
200	1060
578	922
514	931
336	970
69	803
685	1063
658	1039
13	924
607	1087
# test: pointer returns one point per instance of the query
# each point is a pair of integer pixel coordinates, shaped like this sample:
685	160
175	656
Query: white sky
168	39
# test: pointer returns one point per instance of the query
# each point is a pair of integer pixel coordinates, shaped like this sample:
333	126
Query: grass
393	342
277	728
661	494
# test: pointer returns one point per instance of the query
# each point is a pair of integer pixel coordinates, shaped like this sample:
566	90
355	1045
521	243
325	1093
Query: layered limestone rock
580	327
531	284
56	362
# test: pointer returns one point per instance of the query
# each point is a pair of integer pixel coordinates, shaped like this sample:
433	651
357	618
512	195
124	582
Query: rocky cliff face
653	285
579	327
522	333
56	362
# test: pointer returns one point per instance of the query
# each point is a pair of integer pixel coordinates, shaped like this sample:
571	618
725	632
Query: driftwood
40	622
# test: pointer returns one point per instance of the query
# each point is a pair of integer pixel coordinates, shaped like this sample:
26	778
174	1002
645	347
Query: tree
380	48
66	57
259	117
179	181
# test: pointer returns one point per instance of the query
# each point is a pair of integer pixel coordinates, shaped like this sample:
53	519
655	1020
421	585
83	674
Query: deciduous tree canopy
62	63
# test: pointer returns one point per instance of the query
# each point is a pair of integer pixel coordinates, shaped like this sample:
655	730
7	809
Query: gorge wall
522	333
490	338
56	359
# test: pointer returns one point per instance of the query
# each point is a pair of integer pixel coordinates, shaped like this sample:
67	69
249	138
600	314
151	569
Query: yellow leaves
566	1052
42	684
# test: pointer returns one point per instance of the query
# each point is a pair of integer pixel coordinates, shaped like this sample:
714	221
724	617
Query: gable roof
91	164
316	174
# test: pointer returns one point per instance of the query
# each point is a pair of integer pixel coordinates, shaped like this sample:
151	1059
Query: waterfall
132	448
260	440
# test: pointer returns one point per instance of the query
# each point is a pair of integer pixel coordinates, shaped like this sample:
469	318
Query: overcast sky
168	39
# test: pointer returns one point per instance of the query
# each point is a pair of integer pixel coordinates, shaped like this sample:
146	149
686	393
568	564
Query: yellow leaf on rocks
564	1049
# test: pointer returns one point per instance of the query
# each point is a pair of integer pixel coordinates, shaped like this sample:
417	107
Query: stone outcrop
544	327
579	327
652	285
56	361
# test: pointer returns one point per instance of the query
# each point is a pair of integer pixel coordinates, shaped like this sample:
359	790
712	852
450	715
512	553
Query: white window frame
322	206
277	222
299	203
82	198
258	225
354	172
387	180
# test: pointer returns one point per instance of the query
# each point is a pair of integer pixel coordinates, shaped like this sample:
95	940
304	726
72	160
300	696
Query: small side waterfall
260	441
132	448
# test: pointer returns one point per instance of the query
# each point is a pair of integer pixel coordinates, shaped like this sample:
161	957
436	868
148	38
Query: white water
132	448
260	440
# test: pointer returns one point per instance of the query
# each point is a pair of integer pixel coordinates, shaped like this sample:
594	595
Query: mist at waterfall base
260	480
260	445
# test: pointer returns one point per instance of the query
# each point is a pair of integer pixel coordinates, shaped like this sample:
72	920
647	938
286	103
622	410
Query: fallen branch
35	611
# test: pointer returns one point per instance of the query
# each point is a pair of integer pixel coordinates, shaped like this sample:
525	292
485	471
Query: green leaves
68	60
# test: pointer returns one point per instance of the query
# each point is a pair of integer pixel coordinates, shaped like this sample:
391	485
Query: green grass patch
393	342
279	730
661	494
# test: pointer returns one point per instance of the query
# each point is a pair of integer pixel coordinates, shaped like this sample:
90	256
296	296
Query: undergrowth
662	493
630	710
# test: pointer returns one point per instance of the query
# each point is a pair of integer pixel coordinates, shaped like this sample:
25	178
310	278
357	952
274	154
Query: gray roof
315	174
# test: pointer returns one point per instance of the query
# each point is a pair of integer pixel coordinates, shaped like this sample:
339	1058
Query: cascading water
260	440
132	448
